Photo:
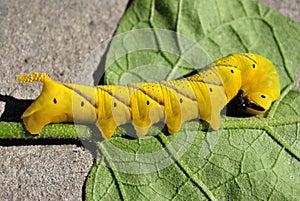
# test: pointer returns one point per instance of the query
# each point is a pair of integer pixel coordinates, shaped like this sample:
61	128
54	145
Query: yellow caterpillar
199	96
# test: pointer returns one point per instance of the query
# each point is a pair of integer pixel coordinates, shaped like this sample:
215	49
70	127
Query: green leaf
254	158
13	130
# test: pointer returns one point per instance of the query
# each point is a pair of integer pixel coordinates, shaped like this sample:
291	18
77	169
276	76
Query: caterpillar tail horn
34	77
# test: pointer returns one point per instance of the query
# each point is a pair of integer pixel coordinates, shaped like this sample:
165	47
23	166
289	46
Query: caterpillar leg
112	109
142	123
173	127
214	121
146	106
34	124
107	128
180	103
140	132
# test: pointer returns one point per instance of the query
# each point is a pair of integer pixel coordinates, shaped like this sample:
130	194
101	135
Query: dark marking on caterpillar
88	99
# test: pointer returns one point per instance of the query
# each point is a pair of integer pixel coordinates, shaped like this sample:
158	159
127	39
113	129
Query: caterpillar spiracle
250	77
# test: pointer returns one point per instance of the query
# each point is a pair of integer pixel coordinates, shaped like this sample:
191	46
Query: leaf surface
254	158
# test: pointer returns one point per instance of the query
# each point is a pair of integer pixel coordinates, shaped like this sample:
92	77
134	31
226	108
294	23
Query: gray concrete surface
56	37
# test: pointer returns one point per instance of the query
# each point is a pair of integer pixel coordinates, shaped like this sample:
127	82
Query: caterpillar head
260	83
57	103
254	103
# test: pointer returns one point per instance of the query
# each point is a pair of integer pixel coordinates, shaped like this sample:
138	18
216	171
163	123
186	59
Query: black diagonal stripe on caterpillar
201	95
